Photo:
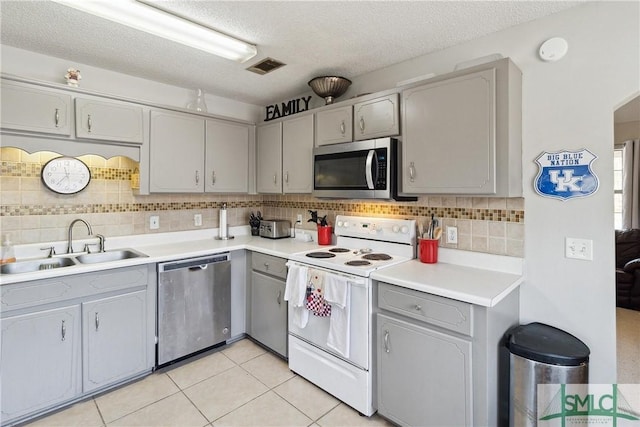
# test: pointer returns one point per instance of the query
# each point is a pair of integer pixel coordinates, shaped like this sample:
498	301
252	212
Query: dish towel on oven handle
337	292
295	291
315	301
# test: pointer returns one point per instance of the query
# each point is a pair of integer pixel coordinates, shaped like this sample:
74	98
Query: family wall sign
275	111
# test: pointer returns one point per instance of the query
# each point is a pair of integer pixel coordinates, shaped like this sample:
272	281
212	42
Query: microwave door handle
369	169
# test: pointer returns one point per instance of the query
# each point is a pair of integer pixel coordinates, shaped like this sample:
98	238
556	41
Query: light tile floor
240	385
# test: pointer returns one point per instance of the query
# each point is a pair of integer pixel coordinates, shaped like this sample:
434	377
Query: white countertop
469	284
167	247
461	275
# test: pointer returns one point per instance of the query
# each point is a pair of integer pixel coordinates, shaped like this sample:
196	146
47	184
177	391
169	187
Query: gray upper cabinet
462	133
284	156
227	157
297	154
109	120
376	118
269	158
26	108
334	126
176	153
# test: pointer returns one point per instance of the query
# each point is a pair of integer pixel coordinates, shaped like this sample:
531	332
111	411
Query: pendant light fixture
144	17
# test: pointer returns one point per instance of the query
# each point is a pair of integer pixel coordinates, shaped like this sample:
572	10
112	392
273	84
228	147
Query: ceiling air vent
265	66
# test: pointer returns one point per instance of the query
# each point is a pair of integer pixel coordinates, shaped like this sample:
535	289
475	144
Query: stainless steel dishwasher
194	305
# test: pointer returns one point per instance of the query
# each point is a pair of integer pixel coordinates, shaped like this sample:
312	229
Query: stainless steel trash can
541	354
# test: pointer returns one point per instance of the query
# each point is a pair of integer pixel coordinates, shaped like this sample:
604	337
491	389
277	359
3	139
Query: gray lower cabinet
67	337
438	357
113	326
424	376
268	307
40	360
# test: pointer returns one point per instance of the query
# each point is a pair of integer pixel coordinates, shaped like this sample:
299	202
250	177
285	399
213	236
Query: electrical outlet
299	219
578	249
452	235
197	220
154	222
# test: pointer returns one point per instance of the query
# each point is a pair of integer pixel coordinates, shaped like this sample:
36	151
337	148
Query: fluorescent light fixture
154	21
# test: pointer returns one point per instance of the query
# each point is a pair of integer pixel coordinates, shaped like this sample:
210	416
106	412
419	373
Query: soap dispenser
8	254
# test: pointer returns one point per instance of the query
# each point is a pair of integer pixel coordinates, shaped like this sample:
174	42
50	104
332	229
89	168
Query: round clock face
66	175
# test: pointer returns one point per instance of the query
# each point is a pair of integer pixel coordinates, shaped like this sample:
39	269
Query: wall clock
66	175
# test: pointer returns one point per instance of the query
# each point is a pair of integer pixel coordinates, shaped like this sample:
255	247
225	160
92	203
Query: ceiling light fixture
154	21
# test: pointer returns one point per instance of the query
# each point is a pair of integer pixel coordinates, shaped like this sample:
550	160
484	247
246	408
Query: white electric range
363	245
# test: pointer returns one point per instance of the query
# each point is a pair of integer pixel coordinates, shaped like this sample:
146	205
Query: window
618	162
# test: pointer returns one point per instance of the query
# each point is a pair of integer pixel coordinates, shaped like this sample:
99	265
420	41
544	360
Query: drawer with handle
443	312
269	264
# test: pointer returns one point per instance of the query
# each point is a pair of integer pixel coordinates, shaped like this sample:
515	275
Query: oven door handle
353	280
371	157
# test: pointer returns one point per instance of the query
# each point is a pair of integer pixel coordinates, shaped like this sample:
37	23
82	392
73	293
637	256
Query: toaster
275	228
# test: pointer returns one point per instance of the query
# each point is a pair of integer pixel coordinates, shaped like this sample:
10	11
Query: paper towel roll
223	221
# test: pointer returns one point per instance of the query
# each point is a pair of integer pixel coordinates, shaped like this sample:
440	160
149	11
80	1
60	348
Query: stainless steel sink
37	264
114	255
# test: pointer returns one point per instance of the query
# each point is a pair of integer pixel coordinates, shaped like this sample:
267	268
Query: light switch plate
154	222
578	249
197	220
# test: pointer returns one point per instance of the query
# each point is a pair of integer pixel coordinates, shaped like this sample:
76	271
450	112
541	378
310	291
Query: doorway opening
626	129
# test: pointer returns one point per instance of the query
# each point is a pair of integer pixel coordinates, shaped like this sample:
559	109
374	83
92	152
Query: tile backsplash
30	213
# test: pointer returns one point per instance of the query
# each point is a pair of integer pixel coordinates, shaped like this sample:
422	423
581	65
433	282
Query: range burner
339	250
377	257
357	263
320	255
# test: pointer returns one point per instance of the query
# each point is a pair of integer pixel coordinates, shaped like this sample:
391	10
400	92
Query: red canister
324	234
429	251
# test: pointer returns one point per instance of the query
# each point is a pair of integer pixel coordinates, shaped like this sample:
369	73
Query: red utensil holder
429	251
324	235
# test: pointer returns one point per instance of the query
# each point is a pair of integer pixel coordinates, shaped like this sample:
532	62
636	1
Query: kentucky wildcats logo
566	174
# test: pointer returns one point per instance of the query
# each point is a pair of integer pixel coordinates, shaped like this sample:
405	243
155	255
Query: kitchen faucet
70	241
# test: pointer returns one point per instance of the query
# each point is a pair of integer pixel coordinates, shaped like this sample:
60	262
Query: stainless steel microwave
357	170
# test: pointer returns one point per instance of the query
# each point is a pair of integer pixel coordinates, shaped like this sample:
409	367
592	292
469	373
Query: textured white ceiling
347	38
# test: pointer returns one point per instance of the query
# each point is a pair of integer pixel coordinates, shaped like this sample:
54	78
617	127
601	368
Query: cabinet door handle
361	124
286	176
89	123
97	321
197	177
63	331
343	128
279	297
418	307
266	265
213	177
57	117
275	178
412	172
387	348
